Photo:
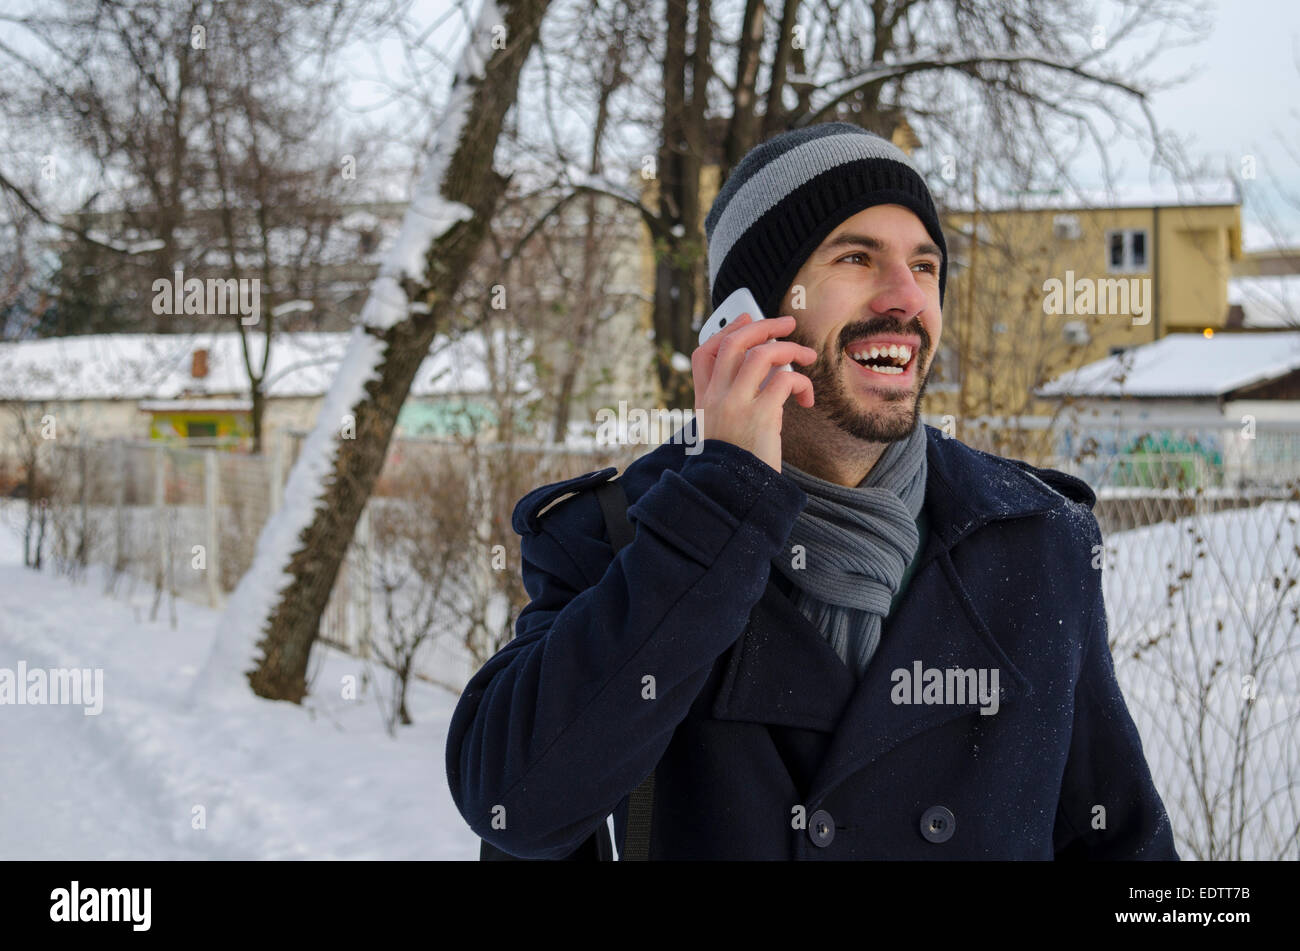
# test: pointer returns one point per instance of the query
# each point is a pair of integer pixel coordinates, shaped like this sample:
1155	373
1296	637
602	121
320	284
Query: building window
1067	228
1126	250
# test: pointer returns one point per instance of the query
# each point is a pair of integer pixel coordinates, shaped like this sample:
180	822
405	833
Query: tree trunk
774	119
588	306
404	680
680	254
743	128
465	186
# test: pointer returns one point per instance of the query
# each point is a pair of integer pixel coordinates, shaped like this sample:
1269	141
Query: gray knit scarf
857	543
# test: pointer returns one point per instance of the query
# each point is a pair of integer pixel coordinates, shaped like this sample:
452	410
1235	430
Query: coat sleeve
1107	769
568	718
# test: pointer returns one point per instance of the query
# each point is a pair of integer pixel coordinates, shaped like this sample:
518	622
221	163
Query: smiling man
883	268
831	633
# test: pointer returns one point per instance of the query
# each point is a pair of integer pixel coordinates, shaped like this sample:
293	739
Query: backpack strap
613	505
636	846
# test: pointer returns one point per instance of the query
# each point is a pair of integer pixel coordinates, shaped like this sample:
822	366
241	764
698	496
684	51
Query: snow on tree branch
428	217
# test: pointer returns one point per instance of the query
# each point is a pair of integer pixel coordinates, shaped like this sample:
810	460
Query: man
836	634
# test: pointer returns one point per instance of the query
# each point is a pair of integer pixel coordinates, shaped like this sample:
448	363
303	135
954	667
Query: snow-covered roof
1184	365
1202	193
158	366
1271	301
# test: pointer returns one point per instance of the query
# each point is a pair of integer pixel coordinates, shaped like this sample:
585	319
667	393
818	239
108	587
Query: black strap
636	845
613	505
600	845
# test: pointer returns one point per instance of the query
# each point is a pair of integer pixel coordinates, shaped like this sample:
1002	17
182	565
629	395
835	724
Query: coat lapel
782	672
938	626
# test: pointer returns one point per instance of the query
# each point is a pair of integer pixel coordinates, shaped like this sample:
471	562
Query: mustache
865	329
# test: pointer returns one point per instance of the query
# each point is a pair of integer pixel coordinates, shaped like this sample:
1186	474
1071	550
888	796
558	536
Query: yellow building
1043	284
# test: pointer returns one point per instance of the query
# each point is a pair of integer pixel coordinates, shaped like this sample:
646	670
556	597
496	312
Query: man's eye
855	254
929	265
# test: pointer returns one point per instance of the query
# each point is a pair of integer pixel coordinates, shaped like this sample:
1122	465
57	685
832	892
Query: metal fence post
275	451
212	564
362	569
481	580
119	513
83	543
160	509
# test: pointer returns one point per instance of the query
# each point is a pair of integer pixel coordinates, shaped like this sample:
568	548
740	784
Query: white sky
1243	99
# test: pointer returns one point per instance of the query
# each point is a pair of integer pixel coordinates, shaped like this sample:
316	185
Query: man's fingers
760	360
733	350
705	357
783	384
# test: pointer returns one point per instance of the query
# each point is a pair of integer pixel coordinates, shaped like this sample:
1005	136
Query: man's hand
729	368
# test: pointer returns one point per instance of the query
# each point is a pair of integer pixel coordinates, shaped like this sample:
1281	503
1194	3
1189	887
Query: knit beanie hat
790	192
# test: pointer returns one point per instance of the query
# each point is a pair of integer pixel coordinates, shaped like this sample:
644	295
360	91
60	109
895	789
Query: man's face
874	281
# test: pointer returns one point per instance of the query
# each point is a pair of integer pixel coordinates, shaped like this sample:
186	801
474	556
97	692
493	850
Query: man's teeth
900	354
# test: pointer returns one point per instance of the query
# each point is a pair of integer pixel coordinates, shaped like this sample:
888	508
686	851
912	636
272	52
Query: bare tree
22	279
200	135
1040	78
282	596
1221	647
420	536
31	429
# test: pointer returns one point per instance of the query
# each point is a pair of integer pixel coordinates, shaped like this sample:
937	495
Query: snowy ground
275	780
325	780
1216	695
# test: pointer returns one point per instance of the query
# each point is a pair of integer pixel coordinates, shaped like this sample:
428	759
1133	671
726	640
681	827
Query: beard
887	414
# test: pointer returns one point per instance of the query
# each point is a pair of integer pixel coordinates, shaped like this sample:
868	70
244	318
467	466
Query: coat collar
783	672
964	489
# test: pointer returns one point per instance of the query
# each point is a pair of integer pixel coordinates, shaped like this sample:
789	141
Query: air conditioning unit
1076	333
1066	228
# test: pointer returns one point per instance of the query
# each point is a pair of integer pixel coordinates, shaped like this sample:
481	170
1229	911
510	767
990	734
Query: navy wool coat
683	656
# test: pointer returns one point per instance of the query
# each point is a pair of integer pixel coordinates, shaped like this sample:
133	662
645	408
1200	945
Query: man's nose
897	290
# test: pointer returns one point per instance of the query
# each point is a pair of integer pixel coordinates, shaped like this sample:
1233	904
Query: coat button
821	828
938	824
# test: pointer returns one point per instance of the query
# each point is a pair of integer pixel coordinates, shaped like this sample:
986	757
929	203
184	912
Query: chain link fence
1201	565
1200	524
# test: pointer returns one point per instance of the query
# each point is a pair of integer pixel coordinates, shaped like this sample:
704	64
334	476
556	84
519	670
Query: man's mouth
885	359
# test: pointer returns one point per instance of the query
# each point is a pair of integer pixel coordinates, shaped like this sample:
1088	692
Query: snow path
275	780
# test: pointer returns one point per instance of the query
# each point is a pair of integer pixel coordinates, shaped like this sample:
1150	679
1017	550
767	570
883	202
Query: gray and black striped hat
790	192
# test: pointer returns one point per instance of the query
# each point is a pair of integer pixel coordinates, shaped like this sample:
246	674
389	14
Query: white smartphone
739	302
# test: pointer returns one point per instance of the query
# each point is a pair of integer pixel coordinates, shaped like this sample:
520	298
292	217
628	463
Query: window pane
1139	249
1117	249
